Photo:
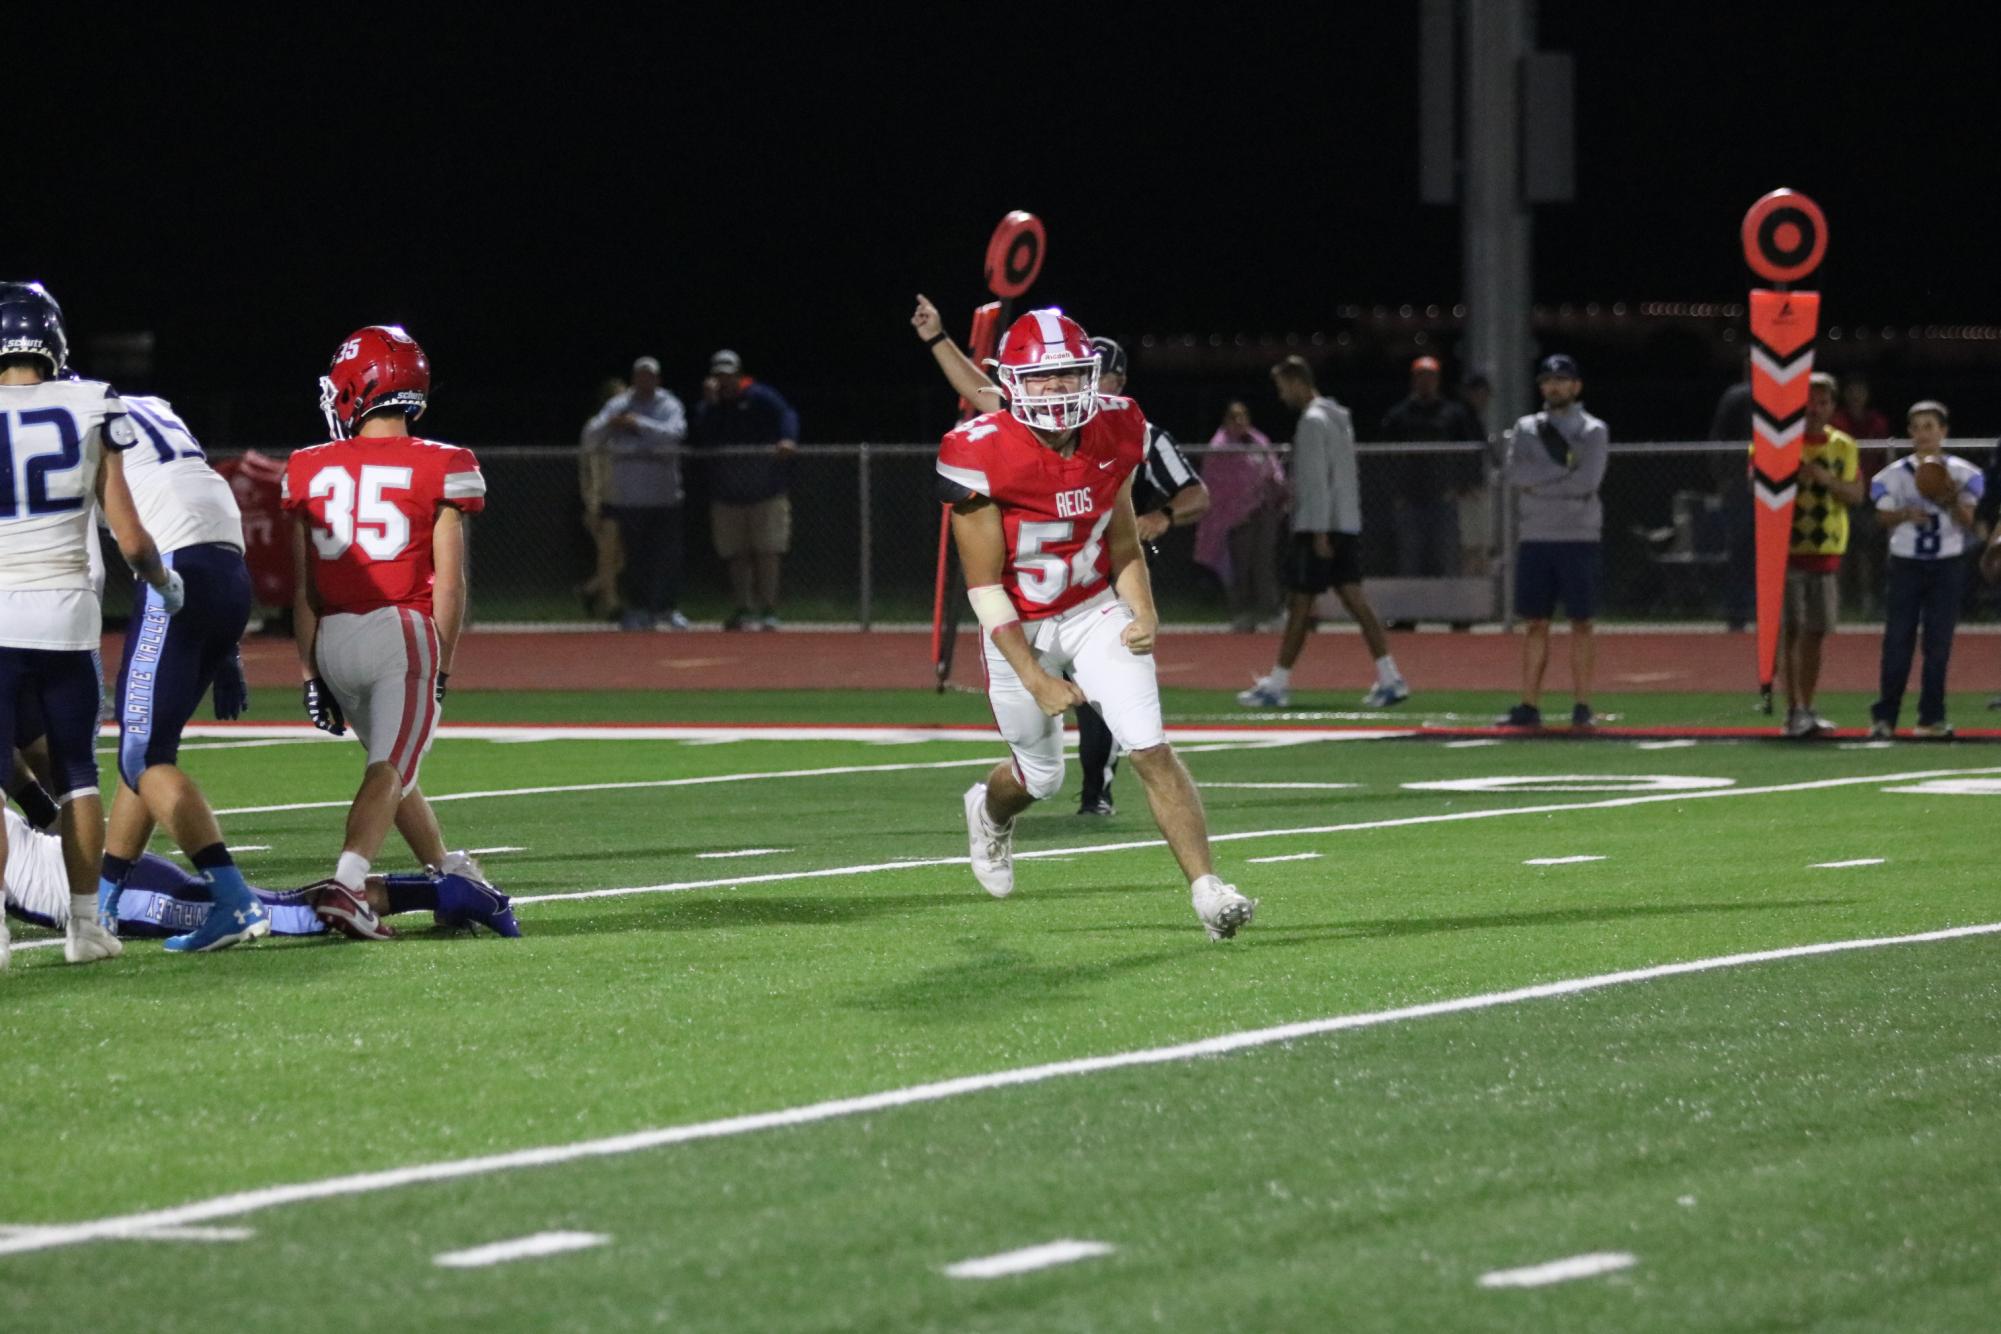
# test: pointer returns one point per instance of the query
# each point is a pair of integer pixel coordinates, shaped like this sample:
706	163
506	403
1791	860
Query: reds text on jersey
371	502
1056	512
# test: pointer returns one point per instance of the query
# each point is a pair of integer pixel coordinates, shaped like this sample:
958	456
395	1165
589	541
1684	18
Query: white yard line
1560	861
705	780
521	1248
739	852
1474	743
161	1233
1679	743
1028	1259
1284	787
488	852
365	1183
1289	857
1842	866
1559	1271
962	734
1400	822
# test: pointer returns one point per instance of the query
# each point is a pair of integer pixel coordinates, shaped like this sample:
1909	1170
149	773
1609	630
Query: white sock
1386	671
352	871
1280	677
83	907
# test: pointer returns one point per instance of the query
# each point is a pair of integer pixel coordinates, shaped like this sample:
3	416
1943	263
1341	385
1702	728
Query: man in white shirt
1928	543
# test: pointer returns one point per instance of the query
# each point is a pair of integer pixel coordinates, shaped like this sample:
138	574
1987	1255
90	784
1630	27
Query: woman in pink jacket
1238	537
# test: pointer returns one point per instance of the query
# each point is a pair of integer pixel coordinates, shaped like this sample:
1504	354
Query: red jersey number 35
360	513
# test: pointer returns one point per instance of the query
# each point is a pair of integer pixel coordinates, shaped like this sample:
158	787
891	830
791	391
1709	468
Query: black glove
232	691
323	708
442	678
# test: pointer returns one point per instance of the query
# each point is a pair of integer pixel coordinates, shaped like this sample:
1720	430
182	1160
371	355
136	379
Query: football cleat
341	909
1096	806
1938	731
1221	908
460	863
1522	715
992	845
1581	717
1819	726
464	901
84	941
222	928
1881	730
1799	723
1384	694
1265	695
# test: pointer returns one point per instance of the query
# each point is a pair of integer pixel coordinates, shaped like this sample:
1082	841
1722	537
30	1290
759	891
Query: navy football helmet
31	324
1111	357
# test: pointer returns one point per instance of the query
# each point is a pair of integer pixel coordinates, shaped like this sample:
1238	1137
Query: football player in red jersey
379	542
1042	516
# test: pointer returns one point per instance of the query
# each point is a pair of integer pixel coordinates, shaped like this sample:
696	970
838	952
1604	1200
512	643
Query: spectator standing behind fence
1325	550
1427	485
1238	537
1830	482
1555	463
1931	523
600	591
642	430
750	510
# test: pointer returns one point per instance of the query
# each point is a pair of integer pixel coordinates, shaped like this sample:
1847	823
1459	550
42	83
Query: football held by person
1042	518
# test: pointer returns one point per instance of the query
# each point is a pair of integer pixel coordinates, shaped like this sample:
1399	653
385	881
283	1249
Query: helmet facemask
1052	412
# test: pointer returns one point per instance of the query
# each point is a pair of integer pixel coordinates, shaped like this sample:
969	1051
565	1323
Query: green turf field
1796	1142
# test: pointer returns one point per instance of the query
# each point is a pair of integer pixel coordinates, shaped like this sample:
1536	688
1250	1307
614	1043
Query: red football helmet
377	367
1043	342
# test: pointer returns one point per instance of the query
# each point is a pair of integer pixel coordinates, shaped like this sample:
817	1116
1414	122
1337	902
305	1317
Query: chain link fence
865	530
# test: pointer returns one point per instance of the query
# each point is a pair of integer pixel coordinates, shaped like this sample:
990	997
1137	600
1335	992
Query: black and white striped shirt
1162	475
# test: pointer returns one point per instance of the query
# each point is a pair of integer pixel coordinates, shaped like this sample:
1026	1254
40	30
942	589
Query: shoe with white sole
84	941
1385	694
1881	730
1264	695
342	910
992	845
1221	908
1819	726
1938	731
1799	723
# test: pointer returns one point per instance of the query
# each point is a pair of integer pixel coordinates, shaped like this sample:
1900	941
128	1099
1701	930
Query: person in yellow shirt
1830	480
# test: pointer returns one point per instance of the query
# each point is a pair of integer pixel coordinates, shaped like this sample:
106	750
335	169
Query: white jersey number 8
1043	577
375	522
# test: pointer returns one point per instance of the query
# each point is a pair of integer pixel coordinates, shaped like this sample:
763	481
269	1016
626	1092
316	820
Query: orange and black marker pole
1013	260
1785	237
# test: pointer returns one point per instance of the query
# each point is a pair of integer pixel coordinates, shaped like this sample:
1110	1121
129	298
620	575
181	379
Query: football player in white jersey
170	662
60	442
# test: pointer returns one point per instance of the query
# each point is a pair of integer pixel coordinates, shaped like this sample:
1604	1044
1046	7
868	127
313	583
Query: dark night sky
540	206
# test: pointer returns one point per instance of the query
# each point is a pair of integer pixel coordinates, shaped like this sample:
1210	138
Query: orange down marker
1785	236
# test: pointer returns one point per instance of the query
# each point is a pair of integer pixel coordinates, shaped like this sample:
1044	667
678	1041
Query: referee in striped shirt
1166	494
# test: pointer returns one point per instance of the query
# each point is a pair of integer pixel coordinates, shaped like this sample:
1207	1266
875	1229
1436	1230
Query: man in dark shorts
1324	550
1555	465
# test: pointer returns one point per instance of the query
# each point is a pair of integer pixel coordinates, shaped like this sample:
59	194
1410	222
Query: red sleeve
461	485
962	460
292	488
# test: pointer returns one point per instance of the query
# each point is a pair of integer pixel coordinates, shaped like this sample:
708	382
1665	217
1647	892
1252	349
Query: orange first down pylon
1785	236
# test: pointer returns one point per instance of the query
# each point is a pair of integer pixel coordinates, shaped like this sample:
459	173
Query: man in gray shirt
1325	548
1554	465
642	430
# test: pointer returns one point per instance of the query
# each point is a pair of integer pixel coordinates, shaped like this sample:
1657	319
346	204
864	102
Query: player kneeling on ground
1042	516
379	542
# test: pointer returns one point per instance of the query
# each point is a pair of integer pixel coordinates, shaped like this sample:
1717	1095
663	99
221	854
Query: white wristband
993	606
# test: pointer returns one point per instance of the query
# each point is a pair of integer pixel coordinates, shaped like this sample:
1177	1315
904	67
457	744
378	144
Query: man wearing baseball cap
750	508
1427	513
1555	463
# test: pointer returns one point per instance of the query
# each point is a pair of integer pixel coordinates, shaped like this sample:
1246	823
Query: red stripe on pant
416	688
430	704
